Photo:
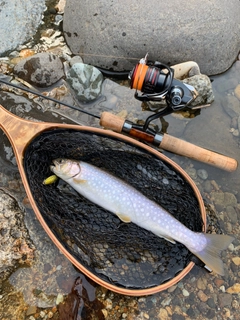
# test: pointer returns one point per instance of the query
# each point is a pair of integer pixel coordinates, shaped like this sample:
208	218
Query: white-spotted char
130	205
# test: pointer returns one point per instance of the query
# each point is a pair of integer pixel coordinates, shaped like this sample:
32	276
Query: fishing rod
157	83
47	98
152	81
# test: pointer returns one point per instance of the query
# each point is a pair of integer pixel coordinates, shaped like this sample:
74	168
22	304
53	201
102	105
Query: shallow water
37	292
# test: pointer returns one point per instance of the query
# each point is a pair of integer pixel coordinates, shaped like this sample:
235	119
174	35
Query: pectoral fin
123	217
79	180
167	238
170	240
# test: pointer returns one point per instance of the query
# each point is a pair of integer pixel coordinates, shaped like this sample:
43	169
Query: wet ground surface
53	289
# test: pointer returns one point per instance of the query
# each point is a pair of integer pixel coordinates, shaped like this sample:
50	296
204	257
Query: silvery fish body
130	205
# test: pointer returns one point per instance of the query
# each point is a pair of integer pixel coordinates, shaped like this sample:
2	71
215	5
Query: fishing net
121	254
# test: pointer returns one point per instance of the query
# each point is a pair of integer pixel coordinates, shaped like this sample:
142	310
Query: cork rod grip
111	122
192	151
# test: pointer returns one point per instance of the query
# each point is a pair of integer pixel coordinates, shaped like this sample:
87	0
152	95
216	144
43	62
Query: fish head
65	168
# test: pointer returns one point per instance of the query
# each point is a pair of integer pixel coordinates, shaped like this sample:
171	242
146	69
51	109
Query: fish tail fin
210	255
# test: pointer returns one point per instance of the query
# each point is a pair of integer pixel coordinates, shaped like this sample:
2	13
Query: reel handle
172	144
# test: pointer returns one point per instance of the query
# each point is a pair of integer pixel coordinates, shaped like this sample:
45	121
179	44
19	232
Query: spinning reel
156	82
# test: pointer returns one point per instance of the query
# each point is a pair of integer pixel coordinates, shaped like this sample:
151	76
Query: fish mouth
57	166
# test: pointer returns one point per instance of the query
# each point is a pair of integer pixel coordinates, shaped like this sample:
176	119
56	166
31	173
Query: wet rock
192	172
228	227
176	316
202	296
202	283
163	314
170	35
224	299
31	310
86	81
12	305
210	314
232	214
238	121
42	70
185	293
19	22
60	6
202	173
218	282
236	261
237	91
231	105
235	133
235	305
203	86
224	199
234	122
234	289
211	303
207	186
75	59
16	247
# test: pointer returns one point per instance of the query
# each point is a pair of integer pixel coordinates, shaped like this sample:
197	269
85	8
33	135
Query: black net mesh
121	254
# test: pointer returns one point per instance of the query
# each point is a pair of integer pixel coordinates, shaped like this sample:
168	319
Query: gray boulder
117	34
19	22
42	69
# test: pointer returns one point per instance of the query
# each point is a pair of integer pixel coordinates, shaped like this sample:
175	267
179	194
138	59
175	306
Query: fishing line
107	56
48	98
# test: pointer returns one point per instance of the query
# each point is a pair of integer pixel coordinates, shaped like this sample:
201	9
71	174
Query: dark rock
176	316
191	313
117	34
211	303
224	299
234	268
232	214
42	70
210	314
203	308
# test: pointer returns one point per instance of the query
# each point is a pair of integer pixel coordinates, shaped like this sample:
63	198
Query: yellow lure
53	178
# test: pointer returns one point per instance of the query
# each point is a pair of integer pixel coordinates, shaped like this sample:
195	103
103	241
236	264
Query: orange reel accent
139	76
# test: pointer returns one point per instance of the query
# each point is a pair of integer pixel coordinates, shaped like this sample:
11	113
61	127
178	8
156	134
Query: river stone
19	22
86	81
203	86
16	247
237	91
116	34
224	199
42	70
231	105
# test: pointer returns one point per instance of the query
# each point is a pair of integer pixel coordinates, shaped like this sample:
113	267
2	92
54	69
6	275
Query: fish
130	205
